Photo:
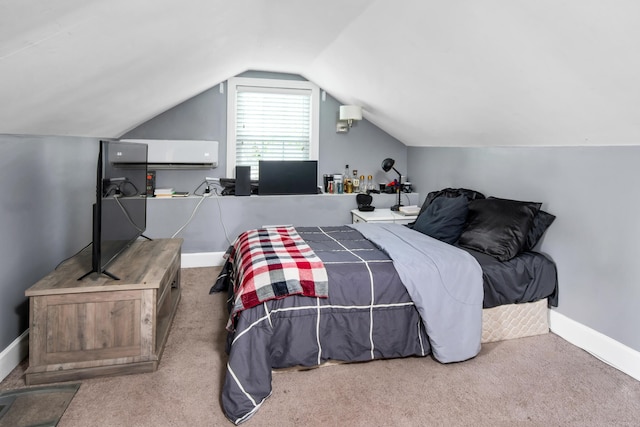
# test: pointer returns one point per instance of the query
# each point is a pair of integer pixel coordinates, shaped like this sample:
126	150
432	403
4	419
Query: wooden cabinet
100	326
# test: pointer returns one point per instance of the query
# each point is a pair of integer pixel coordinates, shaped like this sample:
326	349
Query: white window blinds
272	124
271	119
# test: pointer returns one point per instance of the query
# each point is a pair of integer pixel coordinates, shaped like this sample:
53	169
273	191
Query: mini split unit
172	154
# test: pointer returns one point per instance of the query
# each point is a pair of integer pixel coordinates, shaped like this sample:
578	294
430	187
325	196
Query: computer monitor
278	177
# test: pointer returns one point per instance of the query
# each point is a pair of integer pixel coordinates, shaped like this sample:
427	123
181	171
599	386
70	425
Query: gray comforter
445	284
369	314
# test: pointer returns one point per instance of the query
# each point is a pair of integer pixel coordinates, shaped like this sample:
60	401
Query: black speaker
151	183
243	181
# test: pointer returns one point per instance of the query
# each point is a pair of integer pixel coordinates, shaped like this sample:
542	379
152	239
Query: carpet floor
535	381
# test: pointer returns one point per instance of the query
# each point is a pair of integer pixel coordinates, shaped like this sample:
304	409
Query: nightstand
381	215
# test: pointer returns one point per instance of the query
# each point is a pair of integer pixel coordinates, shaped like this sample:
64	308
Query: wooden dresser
99	326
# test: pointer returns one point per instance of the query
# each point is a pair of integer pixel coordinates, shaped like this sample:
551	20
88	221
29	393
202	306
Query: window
270	119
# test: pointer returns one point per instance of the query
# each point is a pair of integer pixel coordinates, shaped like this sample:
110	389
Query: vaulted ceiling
429	72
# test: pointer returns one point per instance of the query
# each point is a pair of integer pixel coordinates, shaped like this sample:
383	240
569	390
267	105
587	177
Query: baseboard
202	259
14	354
608	350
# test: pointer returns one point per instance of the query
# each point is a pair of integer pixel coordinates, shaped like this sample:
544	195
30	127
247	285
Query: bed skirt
511	321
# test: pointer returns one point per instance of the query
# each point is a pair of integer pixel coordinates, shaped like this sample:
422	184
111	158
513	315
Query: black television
277	177
120	210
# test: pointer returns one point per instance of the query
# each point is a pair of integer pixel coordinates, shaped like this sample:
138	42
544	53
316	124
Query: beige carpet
537	381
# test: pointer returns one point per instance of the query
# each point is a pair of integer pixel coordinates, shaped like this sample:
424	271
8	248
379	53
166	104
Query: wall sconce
348	113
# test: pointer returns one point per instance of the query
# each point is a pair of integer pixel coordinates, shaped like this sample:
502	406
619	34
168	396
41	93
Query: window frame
232	85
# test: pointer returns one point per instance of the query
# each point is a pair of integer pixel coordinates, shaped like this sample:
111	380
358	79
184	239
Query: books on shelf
163	192
169	192
409	210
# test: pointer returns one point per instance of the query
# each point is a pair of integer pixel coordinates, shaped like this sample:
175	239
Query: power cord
67	259
208	191
118	186
224	228
193	213
126	214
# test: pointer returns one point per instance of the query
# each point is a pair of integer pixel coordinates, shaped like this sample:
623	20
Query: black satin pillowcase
444	218
501	227
541	222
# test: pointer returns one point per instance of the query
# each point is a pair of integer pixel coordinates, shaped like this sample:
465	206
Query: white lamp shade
350	112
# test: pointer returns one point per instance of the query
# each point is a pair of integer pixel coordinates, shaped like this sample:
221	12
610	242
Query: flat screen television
120	210
287	177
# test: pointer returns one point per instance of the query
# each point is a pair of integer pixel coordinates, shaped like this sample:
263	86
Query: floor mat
36	406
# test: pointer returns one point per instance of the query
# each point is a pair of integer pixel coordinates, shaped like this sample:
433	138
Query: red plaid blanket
271	263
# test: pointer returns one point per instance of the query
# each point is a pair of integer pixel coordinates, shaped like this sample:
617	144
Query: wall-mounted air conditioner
174	154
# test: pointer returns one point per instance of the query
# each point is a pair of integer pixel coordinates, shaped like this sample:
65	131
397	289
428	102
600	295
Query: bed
361	292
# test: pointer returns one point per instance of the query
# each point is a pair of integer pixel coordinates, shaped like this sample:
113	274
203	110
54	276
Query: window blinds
272	124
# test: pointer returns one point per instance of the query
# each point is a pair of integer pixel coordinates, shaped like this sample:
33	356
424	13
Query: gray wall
593	191
48	188
205	117
220	219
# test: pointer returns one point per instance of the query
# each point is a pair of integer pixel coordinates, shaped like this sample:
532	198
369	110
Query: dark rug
36	406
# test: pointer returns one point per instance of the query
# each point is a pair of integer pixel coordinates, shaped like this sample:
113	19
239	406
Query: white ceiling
429	72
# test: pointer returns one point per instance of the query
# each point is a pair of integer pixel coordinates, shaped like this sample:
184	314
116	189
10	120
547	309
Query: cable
136	191
207	193
126	214
110	188
226	235
67	259
193	213
207	190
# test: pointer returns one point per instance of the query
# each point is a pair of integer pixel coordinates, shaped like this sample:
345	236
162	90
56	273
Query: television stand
100	326
105	272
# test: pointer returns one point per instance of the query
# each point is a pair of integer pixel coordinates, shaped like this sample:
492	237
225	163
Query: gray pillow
444	218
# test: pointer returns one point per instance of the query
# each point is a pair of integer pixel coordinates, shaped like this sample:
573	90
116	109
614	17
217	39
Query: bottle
346	180
370	183
363	184
337	184
355	182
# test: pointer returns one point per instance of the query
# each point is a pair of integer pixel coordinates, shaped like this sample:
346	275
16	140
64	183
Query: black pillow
541	222
498	227
450	192
444	218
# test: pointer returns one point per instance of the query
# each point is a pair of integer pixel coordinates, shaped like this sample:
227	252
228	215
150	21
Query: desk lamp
387	165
